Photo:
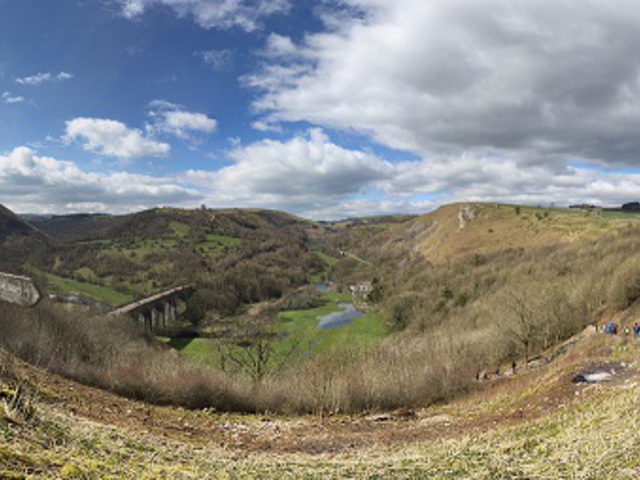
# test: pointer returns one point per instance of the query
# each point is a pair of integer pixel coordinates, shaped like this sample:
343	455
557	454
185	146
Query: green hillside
252	255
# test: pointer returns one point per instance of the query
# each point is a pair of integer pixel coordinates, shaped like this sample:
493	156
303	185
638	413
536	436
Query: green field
68	286
138	250
328	259
180	229
297	337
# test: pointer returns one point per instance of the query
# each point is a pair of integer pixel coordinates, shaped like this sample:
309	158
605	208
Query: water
339	319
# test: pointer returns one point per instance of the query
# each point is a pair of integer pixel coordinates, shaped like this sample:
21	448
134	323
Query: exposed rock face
467	214
18	290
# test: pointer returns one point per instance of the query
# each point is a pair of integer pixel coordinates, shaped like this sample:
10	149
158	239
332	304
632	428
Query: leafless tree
255	347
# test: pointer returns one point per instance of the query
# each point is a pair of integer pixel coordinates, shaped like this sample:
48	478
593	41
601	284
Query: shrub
115	354
625	284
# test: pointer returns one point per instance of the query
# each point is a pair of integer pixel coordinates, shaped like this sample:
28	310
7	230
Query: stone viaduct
157	311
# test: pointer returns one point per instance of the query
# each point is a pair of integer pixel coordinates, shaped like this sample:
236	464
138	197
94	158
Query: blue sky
327	108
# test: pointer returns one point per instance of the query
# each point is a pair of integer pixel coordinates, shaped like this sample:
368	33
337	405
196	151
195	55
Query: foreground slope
534	424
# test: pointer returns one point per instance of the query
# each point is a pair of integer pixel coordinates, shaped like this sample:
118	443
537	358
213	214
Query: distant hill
465	229
19	241
240	256
190	224
72	228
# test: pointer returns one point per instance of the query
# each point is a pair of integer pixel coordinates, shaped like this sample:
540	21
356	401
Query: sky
327	109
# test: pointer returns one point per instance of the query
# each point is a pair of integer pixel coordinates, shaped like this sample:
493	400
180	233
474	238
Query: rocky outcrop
467	214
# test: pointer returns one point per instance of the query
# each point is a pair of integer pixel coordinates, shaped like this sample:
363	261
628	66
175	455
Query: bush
625	284
115	354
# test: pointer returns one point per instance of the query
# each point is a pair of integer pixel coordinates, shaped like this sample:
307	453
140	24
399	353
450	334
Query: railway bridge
157	311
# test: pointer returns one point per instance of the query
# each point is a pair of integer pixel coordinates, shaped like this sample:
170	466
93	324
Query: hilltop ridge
462	229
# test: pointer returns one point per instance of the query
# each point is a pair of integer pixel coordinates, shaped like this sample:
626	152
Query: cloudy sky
325	108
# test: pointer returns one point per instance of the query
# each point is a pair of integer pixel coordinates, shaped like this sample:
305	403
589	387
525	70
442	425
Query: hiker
636	330
626	331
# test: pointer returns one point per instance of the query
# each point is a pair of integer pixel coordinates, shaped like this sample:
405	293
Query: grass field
68	286
297	336
327	259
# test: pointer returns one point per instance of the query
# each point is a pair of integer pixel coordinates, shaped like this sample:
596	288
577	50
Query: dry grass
595	435
503	295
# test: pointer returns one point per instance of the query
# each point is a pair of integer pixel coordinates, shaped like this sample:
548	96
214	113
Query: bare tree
256	347
526	322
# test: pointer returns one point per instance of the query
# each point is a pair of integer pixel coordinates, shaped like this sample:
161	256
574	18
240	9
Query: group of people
613	329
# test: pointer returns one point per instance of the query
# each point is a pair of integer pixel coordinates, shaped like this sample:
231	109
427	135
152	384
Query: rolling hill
115	259
72	228
20	242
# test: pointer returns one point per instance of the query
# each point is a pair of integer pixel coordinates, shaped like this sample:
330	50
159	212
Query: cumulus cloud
172	119
312	176
244	14
40	78
548	79
302	174
33	183
113	139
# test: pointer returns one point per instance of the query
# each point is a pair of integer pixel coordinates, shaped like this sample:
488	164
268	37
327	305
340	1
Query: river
346	316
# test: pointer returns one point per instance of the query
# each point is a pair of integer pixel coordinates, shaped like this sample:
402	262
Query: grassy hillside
135	255
468	287
458	230
536	424
20	242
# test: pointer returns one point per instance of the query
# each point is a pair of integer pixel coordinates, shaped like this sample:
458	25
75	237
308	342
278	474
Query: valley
349	349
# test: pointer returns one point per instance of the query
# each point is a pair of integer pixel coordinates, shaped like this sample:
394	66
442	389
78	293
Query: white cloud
545	78
33	183
303	174
12	99
113	139
172	119
311	176
244	14
40	78
280	46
